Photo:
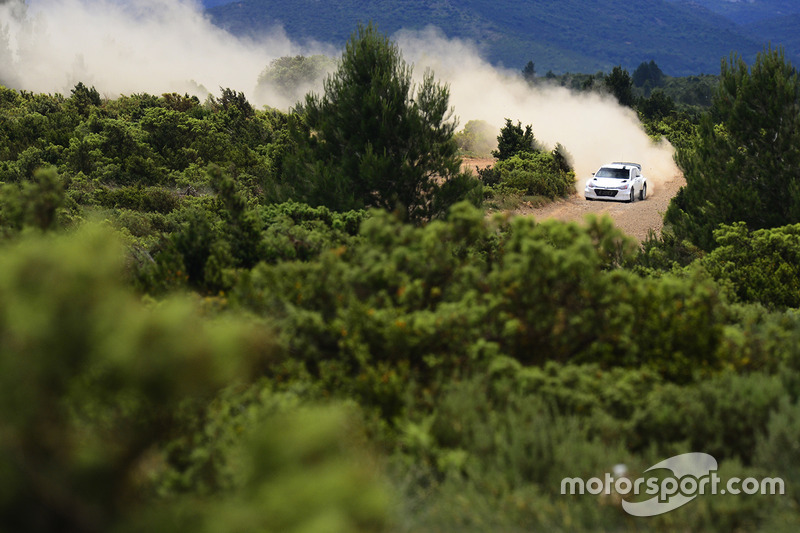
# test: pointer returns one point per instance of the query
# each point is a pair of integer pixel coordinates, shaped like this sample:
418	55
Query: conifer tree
743	164
514	140
620	85
376	139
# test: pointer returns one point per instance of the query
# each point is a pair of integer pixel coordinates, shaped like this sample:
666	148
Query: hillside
783	31
744	13
568	36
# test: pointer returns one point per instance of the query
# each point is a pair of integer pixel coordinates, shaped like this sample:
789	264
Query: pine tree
648	72
620	85
743	164
514	140
85	98
375	139
529	72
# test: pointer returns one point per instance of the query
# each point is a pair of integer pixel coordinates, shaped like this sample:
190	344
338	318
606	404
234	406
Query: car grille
605	192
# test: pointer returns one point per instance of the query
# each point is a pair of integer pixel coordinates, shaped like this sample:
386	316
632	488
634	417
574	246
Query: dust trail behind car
591	125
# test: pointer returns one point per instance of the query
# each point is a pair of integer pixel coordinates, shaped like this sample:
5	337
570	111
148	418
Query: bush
298	232
512	140
477	138
103	377
148	199
285	467
723	416
762	266
778	450
454	294
534	174
491	458
32	203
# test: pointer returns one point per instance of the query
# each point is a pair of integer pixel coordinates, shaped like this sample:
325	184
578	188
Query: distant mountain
780	31
764	21
565	36
746	12
214	3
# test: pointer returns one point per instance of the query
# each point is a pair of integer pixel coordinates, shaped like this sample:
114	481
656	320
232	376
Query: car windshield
618	173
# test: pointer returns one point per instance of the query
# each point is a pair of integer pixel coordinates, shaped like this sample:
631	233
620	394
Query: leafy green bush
33	203
103	376
476	138
762	266
290	78
723	415
777	449
297	231
147	199
263	461
534	174
453	295
512	140
679	130
492	457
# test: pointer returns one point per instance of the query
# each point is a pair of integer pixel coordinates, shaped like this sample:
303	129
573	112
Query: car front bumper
598	193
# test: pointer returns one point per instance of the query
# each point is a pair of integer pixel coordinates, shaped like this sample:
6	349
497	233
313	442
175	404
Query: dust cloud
157	46
126	47
593	127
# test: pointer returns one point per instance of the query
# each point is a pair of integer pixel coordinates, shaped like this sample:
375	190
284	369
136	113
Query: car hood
611	183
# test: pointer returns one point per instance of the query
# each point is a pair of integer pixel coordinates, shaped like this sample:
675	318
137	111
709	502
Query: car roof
622	164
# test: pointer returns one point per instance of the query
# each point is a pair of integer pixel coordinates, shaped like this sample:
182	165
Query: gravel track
635	219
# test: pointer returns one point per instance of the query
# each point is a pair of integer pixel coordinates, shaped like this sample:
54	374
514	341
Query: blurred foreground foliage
96	384
382	377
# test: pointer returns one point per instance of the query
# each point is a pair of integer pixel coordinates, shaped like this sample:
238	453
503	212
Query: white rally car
617	181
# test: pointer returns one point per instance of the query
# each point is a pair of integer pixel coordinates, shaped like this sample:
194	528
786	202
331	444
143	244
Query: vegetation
619	84
291	77
513	140
648	75
741	166
186	346
375	140
476	139
761	266
524	169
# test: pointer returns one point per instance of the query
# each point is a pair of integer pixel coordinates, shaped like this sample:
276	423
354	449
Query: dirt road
635	219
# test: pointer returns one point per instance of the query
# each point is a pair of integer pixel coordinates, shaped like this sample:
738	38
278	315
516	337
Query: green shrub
454	294
723	415
534	174
149	199
762	266
489	459
778	448
477	138
103	377
34	202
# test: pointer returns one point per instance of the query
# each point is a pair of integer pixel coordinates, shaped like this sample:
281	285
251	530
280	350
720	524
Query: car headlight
622	187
